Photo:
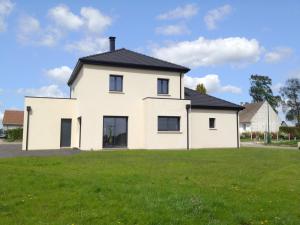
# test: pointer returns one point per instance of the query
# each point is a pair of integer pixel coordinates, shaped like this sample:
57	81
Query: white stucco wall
155	139
259	121
91	89
224	135
45	122
10	127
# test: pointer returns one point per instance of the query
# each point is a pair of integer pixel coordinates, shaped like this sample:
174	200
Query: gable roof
13	117
250	110
126	58
204	101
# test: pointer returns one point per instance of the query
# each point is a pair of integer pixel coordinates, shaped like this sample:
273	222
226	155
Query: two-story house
123	99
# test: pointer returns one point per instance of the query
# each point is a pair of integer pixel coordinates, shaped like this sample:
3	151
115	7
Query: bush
293	131
15	134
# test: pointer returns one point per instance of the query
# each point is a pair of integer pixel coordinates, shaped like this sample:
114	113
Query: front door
114	132
65	133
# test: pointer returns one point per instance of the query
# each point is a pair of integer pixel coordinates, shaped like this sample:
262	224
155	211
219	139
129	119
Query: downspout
180	86
28	109
187	127
237	129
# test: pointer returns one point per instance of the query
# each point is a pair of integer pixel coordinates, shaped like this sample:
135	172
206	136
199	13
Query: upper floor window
168	123
212	123
116	83
162	86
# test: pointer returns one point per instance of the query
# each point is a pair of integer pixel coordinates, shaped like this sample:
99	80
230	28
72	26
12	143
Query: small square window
162	86
212	123
116	83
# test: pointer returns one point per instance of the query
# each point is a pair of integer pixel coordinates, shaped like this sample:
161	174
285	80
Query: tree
291	99
201	89
260	90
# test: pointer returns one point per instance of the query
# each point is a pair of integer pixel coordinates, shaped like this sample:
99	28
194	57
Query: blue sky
223	42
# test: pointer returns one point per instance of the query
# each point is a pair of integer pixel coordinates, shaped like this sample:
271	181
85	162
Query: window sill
163	95
212	128
169	132
116	92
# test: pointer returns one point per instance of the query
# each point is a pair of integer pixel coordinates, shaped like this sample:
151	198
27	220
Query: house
123	99
12	119
256	117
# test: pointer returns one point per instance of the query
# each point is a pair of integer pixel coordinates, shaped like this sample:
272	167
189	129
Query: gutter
28	109
187	127
237	130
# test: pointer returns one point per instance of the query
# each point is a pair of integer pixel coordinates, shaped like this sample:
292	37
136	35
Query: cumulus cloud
62	21
212	83
60	74
216	15
45	91
6	7
206	52
176	29
89	45
278	54
31	32
181	12
63	17
95	20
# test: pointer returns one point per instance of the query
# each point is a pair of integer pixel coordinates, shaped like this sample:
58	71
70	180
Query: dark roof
126	58
204	101
13	117
250	110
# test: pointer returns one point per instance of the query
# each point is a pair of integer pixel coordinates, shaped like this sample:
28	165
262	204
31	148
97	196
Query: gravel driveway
14	150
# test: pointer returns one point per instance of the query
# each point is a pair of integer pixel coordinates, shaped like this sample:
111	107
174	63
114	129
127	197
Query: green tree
290	93
260	90
201	89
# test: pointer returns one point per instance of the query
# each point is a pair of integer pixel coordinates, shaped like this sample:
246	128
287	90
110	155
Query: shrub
15	134
293	131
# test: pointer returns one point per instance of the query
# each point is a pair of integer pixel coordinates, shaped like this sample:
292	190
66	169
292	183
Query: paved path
260	145
14	150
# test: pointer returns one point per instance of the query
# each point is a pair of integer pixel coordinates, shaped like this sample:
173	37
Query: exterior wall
224	135
259	122
91	89
245	127
155	139
45	121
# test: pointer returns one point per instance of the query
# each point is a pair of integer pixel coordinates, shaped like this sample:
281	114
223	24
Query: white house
257	117
123	99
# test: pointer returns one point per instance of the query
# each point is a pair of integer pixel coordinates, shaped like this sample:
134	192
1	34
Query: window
168	123
212	123
162	86
116	83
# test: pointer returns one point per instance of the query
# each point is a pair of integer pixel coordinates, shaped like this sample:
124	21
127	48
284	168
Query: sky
223	42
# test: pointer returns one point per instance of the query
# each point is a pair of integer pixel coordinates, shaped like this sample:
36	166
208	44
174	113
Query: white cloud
212	83
45	91
60	74
31	32
94	19
89	45
205	52
6	7
177	29
181	12
278	54
63	17
216	15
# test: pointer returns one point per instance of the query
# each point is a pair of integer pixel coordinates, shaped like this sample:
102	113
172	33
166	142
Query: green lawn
209	187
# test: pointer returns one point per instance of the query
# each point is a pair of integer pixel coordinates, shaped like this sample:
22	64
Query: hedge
293	131
15	134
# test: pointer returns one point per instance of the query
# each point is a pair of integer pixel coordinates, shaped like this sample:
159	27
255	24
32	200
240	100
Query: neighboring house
283	124
123	99
254	118
12	119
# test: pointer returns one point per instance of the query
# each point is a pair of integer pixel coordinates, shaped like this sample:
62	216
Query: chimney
112	44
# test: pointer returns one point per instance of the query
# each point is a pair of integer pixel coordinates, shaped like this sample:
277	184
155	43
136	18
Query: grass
209	187
291	143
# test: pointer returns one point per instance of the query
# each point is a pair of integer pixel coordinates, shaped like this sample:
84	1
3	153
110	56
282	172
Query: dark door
114	132
65	132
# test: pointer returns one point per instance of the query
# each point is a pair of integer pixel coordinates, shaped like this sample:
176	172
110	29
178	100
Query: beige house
258	117
123	99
